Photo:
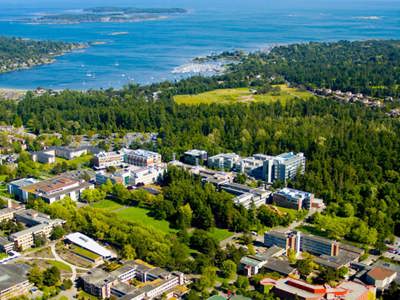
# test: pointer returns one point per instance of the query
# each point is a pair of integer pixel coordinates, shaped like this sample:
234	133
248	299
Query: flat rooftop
87	243
292	193
51	185
13	274
24	182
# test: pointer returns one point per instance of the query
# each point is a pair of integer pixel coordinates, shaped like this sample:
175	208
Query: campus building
223	161
105	160
295	289
251	264
141	158
14	281
292	198
44	157
50	190
282	167
300	242
195	157
246	195
154	282
380	277
121	176
89	244
38	224
15	187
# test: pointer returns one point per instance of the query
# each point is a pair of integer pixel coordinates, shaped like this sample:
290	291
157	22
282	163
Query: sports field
242	95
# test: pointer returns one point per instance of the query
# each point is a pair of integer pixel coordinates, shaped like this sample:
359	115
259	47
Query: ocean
149	51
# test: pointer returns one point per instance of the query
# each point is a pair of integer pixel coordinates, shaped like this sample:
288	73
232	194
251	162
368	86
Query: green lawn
107	205
139	215
84	252
220	234
60	265
241	95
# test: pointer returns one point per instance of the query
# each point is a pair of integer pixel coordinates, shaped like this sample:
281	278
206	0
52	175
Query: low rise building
154	282
292	198
195	157
14	281
15	187
121	176
301	242
291	289
44	157
147	175
89	244
246	195
380	277
251	264
55	189
68	152
141	158
223	161
105	160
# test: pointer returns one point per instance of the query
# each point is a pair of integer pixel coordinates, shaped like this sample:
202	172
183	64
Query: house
380	277
55	189
14	281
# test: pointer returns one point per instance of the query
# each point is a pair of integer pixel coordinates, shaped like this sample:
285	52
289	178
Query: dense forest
17	53
352	151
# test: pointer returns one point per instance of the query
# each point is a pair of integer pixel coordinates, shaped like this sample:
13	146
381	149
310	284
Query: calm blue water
151	50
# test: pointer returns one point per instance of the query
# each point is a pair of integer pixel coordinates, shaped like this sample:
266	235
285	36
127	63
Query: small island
18	53
107	15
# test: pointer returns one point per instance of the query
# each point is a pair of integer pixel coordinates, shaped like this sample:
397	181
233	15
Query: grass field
241	95
60	265
139	215
220	234
107	205
84	252
135	214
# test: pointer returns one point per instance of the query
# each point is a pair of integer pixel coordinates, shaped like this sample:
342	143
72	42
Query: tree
208	278
35	275
40	240
242	282
128	252
305	267
51	276
185	215
57	233
228	269
67	284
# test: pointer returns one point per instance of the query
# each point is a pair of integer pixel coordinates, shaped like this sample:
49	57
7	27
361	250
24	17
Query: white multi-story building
223	161
104	160
141	158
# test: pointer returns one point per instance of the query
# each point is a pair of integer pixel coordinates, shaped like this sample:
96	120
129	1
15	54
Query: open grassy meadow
242	95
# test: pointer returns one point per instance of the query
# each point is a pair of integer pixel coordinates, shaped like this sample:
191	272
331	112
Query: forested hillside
17	53
353	152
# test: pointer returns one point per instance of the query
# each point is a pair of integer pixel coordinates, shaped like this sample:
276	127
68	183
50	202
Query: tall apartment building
282	167
104	160
223	161
141	158
301	242
292	198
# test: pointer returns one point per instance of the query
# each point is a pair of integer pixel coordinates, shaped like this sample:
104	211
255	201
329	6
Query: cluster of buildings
263	167
154	282
351	97
36	225
48	156
49	190
131	167
362	284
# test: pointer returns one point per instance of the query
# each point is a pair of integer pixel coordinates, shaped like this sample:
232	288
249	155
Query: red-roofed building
291	289
380	277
